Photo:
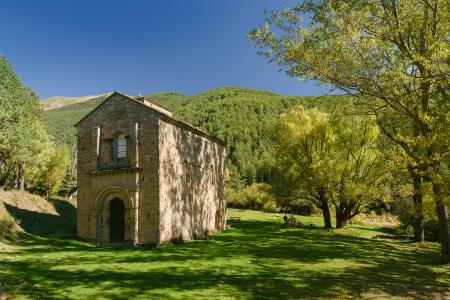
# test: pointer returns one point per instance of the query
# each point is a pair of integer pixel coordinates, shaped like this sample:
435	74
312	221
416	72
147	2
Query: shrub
256	196
404	209
7	226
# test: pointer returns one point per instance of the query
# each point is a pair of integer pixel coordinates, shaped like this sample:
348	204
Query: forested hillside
60	121
239	116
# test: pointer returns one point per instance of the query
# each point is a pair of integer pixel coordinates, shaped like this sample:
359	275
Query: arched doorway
117	221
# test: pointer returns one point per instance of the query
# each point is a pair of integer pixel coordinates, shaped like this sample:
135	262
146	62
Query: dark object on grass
293	221
393	237
309	225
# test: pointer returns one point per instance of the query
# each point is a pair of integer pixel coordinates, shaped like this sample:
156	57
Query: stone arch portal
116	221
115	215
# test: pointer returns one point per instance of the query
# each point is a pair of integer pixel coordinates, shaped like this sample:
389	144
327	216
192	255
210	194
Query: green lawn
258	257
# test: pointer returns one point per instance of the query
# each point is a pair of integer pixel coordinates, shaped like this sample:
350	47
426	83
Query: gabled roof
164	113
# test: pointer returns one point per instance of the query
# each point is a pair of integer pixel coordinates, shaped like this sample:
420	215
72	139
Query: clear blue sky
75	48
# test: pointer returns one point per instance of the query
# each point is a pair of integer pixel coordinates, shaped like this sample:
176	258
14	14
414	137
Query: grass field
258	257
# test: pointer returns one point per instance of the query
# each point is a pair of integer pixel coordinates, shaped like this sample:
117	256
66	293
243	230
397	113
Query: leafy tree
394	57
360	167
34	155
328	160
255	196
304	147
53	175
20	114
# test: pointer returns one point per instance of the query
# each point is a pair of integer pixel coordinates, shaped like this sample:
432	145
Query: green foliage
40	151
170	100
328	159
361	170
393	57
51	178
405	211
255	196
60	121
7	226
239	116
21	132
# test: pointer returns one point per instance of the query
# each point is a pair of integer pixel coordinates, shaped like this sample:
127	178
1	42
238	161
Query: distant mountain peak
61	101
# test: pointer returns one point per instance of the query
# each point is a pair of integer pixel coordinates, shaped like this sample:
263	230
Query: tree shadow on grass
385	230
255	259
47	225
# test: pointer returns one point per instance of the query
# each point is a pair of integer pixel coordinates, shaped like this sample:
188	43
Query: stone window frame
122	138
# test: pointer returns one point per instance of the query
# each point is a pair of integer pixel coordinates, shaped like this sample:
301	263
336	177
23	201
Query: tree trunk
15	177
419	233
340	221
341	218
4	178
444	230
326	213
22	176
2	185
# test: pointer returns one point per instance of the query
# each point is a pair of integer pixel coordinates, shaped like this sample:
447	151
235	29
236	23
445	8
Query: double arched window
120	146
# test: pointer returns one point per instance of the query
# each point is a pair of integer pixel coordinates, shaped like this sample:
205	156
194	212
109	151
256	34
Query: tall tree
359	167
329	160
394	57
303	141
20	114
35	156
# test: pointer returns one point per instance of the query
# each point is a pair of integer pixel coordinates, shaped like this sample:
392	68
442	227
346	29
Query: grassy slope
33	214
257	258
60	101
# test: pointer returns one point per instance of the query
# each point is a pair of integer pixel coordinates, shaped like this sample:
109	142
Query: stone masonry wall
171	181
192	184
136	183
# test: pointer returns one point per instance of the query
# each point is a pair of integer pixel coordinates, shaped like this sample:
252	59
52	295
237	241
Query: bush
404	209
7	226
256	196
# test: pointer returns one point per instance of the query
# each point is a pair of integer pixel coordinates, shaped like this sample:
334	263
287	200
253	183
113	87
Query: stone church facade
146	177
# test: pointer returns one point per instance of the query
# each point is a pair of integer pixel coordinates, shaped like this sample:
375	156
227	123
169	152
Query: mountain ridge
61	101
239	116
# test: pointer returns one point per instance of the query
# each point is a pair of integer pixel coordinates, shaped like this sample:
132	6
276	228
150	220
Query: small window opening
120	146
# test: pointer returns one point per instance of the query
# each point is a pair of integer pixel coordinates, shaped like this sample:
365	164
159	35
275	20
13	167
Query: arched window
120	146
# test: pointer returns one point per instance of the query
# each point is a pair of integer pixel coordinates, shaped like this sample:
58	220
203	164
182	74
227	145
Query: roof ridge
166	116
150	100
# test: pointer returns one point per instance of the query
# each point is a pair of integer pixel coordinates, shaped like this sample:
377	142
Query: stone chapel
145	177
